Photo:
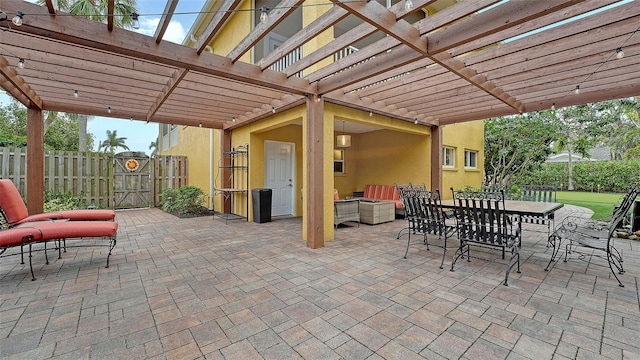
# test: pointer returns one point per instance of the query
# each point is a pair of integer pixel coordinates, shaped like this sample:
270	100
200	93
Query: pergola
473	60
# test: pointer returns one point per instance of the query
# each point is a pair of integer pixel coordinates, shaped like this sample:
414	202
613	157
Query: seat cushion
11	202
18	236
72	229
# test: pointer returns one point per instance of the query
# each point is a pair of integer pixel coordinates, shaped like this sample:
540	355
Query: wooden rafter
83	32
221	16
276	16
323	22
284	103
385	20
19	86
172	83
110	10
165	19
51	6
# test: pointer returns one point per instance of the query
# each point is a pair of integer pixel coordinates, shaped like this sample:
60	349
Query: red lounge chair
44	231
16	212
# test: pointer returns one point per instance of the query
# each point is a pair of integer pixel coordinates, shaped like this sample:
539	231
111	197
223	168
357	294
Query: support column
35	161
436	158
225	181
314	186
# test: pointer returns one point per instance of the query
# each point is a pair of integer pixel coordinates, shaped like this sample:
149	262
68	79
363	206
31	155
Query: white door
279	176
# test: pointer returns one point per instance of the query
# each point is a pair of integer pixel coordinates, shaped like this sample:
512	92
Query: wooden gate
131	180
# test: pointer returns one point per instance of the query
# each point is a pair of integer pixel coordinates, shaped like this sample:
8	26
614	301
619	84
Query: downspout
211	169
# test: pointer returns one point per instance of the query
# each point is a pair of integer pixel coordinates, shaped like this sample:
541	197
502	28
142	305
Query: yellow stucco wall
202	148
461	137
235	29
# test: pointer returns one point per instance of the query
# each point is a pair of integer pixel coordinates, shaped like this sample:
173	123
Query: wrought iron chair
539	193
481	221
426	216
589	238
407	189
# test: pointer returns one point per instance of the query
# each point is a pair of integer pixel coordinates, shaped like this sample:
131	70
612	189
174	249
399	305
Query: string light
75	93
17	20
234	119
408	5
553	106
619	53
273	110
21	63
577	90
370	113
136	22
415	121
264	14
200	124
109	109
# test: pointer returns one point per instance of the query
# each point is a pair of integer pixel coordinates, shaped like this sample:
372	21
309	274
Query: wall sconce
343	140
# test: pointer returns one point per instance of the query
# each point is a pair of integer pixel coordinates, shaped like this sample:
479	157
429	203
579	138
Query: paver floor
199	289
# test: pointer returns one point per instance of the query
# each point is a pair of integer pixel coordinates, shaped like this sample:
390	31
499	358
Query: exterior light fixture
408	5
264	14
136	22
21	63
17	20
75	93
619	53
109	109
343	140
577	90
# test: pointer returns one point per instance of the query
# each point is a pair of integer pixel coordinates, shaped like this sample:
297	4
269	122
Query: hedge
597	176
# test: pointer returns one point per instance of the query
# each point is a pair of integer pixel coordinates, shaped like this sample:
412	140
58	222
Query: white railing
287	61
344	52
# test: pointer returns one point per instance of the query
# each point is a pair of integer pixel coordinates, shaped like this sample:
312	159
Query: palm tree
96	10
113	142
154	147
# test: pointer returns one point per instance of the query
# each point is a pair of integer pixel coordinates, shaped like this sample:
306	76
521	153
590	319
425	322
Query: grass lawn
601	203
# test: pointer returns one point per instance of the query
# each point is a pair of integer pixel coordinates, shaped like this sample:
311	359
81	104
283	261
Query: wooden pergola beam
219	18
276	16
173	82
19	85
110	9
51	6
165	19
83	32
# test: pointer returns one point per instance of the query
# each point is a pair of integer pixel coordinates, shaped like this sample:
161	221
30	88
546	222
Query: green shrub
62	201
182	199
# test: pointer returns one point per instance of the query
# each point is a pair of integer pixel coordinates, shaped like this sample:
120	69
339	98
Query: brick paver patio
200	289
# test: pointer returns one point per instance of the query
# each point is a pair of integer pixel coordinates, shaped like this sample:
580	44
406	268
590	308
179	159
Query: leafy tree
60	135
154	147
516	144
96	10
113	142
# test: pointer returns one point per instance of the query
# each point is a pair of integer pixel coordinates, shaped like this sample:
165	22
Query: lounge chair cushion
18	236
72	229
16	212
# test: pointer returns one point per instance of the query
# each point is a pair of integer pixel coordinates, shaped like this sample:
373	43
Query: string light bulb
273	110
17	20
264	14
577	90
21	63
408	5
136	22
370	113
553	106
415	121
109	109
234	119
75	93
619	53
200	124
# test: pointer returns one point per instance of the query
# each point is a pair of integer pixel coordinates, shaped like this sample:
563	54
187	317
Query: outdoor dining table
520	208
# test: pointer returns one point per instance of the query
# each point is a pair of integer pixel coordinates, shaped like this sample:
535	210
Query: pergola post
225	181
35	161
314	186
436	158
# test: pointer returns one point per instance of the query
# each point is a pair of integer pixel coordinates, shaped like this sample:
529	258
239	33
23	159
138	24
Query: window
169	135
471	159
448	157
338	161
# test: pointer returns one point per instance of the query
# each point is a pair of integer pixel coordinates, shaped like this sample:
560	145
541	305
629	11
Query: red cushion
378	192
369	192
88	215
72	229
11	202
19	236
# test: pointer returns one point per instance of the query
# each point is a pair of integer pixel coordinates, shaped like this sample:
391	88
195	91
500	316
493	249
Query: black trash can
261	199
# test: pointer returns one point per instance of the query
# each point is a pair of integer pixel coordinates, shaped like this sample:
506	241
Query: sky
139	134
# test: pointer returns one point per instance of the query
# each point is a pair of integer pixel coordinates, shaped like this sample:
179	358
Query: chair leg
46	256
556	241
408	244
33	277
444	252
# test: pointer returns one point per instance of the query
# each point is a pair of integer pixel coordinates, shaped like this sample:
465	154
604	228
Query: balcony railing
287	61
344	52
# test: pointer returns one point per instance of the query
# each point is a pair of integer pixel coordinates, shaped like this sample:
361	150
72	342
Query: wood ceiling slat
83	32
165	19
276	16
18	84
212	99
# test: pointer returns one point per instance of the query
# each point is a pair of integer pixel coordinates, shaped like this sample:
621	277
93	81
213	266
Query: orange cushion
369	192
11	202
18	236
72	229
